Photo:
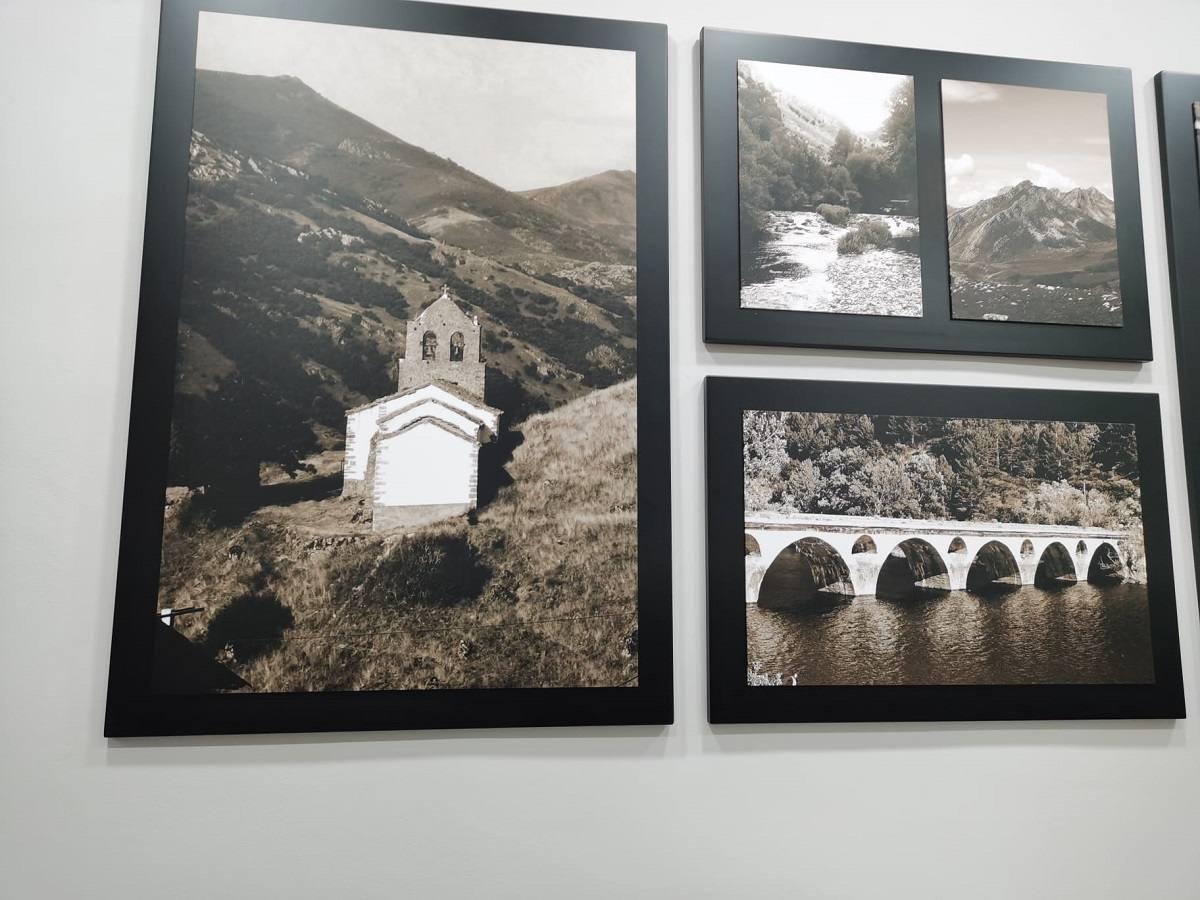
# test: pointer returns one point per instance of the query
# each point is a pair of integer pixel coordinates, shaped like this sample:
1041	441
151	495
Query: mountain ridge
285	119
1031	220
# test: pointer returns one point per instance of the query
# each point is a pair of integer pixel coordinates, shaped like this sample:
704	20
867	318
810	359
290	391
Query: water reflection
1083	634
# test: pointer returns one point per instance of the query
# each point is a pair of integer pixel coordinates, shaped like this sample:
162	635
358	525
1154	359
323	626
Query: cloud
1048	176
968	92
960	165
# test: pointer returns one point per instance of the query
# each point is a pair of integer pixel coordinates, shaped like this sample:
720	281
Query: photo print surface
1029	205
404	439
899	550
827	181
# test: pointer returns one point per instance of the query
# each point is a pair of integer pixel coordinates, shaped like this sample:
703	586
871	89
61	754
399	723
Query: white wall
982	811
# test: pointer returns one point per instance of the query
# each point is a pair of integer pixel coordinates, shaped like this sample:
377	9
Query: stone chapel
414	454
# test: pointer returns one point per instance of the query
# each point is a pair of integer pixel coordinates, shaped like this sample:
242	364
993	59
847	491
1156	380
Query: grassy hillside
542	582
607	202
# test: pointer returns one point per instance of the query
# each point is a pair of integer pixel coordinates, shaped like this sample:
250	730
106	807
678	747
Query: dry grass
557	607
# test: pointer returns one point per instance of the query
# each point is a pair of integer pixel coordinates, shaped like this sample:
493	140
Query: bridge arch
1026	548
1081	547
752	548
1106	566
993	569
958	545
1055	567
914	566
806	570
864	544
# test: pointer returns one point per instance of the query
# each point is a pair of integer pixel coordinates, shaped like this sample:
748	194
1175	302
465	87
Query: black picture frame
731	700
1176	92
131	709
725	322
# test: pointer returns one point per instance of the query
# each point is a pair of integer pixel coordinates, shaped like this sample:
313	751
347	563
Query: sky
997	135
522	115
860	99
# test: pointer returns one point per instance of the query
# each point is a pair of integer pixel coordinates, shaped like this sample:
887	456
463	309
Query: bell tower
442	344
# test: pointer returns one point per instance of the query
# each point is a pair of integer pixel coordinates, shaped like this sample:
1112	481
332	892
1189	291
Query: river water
799	268
1083	634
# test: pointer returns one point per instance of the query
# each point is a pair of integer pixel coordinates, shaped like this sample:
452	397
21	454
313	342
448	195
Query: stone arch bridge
791	558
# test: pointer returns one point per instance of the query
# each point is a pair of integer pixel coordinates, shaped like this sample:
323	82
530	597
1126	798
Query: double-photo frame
870	197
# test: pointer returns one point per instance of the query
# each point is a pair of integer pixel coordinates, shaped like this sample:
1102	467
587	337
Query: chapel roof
381	436
447	305
456	390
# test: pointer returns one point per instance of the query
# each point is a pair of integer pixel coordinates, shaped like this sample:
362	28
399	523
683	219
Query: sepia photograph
404	428
1029	205
827	176
906	550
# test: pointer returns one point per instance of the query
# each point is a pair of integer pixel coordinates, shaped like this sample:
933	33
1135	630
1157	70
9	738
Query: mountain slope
812	125
298	286
606	202
284	119
1027	220
609	198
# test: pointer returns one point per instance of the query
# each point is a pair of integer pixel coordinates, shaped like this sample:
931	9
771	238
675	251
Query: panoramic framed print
883	198
398	451
898	552
1179	143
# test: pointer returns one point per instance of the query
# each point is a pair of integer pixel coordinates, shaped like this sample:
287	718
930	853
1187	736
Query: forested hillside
1065	473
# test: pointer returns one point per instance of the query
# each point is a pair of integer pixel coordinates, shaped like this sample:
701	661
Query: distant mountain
605	203
286	120
1030	221
609	198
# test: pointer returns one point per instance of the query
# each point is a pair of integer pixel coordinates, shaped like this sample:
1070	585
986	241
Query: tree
844	143
930	483
764	455
899	132
1115	448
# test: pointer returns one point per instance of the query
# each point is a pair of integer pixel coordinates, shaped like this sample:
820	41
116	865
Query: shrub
440	570
252	625
870	233
834	215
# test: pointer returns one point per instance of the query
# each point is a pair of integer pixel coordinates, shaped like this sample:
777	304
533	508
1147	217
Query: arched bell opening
429	345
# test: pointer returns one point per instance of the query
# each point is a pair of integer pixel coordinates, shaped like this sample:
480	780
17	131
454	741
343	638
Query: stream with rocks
799	268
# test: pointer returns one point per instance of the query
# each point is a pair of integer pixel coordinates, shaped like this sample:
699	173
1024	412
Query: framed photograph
893	552
398	452
1179	136
881	198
